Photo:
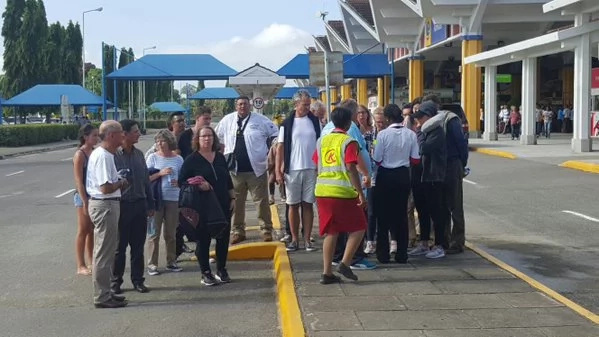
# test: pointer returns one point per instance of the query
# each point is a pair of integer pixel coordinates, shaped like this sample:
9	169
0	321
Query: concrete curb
45	149
536	284
491	152
581	166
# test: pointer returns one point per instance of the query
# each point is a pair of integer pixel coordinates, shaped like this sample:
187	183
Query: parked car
457	109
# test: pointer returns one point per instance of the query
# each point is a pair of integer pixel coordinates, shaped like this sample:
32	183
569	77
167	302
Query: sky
237	32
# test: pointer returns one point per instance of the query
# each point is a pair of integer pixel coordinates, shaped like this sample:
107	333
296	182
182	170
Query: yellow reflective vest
333	178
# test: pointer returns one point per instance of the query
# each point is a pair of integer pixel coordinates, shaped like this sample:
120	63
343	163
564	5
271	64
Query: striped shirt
169	193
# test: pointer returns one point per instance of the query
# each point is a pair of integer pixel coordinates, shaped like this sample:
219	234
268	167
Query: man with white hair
319	110
104	185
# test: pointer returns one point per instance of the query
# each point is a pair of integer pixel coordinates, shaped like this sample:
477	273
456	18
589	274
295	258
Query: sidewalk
460	295
554	151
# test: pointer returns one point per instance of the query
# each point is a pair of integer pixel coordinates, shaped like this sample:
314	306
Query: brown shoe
267	237
237	238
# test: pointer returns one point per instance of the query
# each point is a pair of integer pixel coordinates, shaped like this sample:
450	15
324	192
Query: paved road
41	295
540	218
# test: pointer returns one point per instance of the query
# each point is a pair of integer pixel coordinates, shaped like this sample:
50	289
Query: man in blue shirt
359	261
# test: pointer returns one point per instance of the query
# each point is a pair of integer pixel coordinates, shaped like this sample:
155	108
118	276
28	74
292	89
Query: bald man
103	185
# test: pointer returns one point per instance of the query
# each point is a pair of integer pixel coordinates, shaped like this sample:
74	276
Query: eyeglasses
180	120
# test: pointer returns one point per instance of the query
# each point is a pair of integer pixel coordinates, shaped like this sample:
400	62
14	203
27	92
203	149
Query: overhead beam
477	17
371	30
572	6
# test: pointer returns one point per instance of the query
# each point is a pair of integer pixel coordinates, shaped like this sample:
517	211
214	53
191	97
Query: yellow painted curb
274	214
496	153
581	166
536	284
253	251
289	310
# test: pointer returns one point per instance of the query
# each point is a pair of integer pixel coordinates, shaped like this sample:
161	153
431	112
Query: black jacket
210	216
288	125
156	187
433	150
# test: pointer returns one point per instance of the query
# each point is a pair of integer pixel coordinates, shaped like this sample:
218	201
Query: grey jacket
433	149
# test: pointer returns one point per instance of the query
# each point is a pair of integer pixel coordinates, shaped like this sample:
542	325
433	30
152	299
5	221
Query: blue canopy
216	93
288	92
168	107
50	94
169	67
354	66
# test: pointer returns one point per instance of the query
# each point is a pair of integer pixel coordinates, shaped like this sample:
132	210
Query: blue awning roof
288	92
216	93
354	66
174	67
49	95
168	107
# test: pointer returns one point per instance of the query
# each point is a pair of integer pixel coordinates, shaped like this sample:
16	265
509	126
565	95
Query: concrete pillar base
582	145
475	134
528	140
490	136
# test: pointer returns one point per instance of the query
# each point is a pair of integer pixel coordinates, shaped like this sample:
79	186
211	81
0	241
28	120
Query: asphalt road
41	295
539	218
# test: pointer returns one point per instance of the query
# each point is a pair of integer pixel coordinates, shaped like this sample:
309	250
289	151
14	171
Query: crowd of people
356	167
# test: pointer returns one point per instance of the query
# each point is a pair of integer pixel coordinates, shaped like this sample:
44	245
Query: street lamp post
99	9
143	89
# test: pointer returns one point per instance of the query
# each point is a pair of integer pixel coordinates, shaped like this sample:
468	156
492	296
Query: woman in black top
208	162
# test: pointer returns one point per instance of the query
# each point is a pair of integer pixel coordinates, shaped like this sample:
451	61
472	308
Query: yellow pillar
567	85
380	90
323	96
416	77
362	90
387	90
471	82
345	91
334	97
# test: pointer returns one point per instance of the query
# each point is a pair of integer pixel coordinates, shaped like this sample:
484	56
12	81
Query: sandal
84	271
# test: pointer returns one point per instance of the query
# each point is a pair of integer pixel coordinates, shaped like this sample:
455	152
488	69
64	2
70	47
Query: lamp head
100	9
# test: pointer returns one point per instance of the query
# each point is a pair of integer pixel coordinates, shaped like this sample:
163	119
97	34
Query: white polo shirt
395	146
256	134
101	170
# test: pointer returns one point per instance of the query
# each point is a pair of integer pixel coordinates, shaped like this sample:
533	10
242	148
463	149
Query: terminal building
479	53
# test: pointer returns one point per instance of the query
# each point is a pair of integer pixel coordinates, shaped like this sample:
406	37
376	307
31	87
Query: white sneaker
420	249
370	247
153	270
436	253
393	247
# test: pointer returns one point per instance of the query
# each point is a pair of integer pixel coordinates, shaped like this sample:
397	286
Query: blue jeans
547	129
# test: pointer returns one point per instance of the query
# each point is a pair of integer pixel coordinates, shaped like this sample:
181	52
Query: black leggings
391	199
222	249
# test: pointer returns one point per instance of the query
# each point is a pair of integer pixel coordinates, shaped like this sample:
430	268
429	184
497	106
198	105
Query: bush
154	124
33	134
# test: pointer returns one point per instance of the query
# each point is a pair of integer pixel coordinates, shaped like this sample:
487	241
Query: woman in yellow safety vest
339	195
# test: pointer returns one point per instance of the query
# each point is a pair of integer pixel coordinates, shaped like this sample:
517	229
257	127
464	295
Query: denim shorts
77	200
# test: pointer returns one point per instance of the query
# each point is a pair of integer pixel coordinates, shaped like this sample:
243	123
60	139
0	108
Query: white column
529	94
490	103
581	140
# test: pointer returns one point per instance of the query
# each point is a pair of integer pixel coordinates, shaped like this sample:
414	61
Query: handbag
201	211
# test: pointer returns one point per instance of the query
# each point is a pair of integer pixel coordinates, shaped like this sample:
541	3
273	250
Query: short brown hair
195	140
202	110
167	136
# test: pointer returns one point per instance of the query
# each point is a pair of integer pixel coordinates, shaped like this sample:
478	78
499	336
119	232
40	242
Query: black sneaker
292	246
223	276
208	279
346	271
329	279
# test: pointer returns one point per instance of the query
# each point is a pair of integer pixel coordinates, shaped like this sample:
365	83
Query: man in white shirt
294	166
104	185
246	138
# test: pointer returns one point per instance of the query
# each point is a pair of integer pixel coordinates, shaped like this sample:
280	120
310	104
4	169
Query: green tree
11	32
109	68
54	54
93	81
73	46
200	87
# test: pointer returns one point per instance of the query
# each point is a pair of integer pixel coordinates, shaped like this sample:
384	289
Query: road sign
258	103
335	65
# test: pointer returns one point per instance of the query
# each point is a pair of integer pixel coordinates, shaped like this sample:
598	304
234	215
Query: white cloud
274	46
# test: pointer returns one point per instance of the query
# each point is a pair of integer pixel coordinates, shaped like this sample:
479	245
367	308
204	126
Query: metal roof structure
168	107
354	66
288	92
169	67
216	93
50	95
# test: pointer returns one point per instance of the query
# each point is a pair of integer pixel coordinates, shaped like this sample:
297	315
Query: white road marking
469	182
65	193
67	159
590	218
11	195
15	173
